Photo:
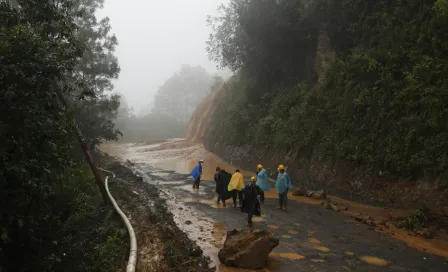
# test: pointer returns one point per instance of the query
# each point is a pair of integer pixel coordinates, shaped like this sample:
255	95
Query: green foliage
416	221
89	238
43	49
383	100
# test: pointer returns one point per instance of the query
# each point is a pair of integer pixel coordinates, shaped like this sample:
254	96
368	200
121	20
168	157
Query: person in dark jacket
251	200
222	179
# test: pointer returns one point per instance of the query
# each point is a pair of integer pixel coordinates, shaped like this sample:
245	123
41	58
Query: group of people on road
251	196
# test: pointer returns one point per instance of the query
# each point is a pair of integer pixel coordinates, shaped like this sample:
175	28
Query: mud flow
312	238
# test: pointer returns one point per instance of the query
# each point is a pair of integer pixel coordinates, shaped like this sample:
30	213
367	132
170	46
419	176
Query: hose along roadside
132	261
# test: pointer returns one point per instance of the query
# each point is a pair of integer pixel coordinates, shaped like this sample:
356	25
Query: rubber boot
284	207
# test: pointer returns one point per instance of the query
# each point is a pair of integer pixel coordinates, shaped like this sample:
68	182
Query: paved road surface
312	238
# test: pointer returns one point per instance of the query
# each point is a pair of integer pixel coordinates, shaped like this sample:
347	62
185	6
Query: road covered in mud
312	238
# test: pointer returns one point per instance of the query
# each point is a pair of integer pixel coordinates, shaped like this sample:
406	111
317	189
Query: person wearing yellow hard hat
235	185
262	181
283	184
251	200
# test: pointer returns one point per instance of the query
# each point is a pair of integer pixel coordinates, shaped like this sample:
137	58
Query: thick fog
155	39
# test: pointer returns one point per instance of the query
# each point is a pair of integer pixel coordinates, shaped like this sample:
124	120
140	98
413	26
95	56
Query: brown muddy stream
311	237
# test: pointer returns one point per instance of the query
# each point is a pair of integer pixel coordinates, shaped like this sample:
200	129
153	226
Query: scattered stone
248	248
426	233
299	192
140	179
180	208
333	207
321	194
368	220
188	222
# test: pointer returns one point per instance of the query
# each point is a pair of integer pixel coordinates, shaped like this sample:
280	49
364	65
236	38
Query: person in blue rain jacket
196	174
283	185
262	181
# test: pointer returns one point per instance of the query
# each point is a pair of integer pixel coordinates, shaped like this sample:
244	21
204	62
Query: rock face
248	248
299	192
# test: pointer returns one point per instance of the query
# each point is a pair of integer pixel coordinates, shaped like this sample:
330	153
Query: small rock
426	233
248	248
321	194
299	192
188	222
333	207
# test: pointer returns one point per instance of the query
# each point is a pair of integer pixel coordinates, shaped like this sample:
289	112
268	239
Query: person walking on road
222	179
235	186
251	200
196	174
262	181
283	185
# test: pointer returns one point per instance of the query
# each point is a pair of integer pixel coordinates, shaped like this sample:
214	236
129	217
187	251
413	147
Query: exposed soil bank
162	246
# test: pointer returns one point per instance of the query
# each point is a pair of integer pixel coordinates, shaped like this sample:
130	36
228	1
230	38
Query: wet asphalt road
312	238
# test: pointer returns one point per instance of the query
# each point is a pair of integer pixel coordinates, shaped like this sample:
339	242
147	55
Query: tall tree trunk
85	149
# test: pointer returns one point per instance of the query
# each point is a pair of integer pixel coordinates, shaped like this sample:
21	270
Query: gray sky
155	38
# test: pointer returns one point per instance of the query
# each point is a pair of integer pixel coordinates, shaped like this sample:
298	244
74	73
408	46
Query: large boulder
248	248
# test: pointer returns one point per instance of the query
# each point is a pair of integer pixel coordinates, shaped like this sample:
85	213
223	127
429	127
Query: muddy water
197	213
174	155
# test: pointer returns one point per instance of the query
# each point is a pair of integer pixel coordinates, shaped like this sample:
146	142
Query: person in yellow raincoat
236	184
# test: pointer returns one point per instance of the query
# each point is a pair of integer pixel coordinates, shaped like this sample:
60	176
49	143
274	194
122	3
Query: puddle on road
287	236
318	261
349	253
258	219
219	234
314	240
374	260
293	232
170	182
210	202
291	256
322	248
273	226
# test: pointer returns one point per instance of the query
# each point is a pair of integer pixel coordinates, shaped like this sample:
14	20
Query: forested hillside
174	103
363	82
48	195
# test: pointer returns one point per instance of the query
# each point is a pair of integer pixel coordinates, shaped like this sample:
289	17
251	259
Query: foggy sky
155	38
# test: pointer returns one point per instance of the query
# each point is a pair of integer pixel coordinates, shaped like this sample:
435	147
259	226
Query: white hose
133	248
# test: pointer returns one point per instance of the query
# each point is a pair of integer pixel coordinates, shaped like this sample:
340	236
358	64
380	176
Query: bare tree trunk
85	149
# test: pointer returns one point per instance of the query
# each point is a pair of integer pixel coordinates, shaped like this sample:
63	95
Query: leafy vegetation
46	47
353	80
416	221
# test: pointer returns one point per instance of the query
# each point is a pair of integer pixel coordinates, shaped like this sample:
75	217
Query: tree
181	93
47	47
382	101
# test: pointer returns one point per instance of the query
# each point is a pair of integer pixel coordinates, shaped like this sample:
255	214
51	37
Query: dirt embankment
200	121
162	246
